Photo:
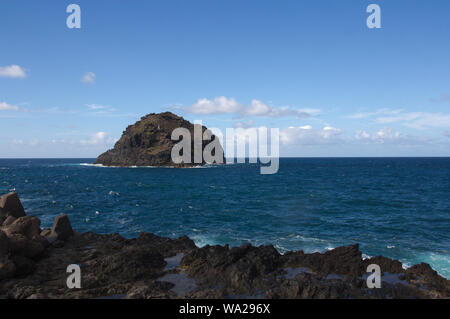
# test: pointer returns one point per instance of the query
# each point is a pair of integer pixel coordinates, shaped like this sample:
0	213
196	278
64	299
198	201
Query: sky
312	69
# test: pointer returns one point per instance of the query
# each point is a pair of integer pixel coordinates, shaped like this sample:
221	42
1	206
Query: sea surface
396	207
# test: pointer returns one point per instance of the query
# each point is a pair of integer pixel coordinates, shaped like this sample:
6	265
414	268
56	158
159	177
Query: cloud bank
417	120
224	105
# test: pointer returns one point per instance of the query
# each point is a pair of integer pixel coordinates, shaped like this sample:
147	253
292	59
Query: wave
112	166
438	261
365	256
210	165
135	166
202	240
97	165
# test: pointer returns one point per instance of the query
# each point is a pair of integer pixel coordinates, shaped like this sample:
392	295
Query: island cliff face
148	143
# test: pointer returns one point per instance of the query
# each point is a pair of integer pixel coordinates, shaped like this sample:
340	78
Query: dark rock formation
386	264
341	260
10	205
61	229
28	226
148	143
155	267
7	267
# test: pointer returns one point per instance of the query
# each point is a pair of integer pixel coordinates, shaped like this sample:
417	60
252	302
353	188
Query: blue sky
310	68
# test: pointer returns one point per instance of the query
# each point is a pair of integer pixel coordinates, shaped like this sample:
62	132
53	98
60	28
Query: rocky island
34	261
148	142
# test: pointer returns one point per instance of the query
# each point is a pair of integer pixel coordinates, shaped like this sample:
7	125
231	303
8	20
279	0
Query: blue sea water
396	207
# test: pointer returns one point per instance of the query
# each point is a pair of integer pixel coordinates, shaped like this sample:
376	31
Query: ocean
395	207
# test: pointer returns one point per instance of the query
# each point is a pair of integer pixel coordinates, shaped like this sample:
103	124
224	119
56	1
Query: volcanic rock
29	226
10	205
422	274
24	266
62	229
116	267
3	243
7	268
148	143
344	260
8	221
23	246
386	264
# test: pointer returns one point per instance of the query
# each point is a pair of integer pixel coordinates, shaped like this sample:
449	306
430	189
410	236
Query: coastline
143	166
33	264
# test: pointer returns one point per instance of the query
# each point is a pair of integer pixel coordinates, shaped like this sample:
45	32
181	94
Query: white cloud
95	107
418	120
17	142
88	77
387	135
385	111
217	106
98	138
12	71
20	142
257	108
224	105
306	135
302	135
246	124
8	107
362	135
294	136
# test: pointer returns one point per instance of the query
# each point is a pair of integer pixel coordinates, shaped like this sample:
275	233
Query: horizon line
287	157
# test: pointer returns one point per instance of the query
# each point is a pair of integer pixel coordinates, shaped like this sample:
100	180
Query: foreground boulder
20	240
62	229
28	226
148	143
10	205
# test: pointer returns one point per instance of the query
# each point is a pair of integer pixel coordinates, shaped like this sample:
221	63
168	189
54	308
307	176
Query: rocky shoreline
33	264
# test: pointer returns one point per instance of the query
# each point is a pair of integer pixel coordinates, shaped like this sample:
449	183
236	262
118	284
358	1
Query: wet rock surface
33	264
